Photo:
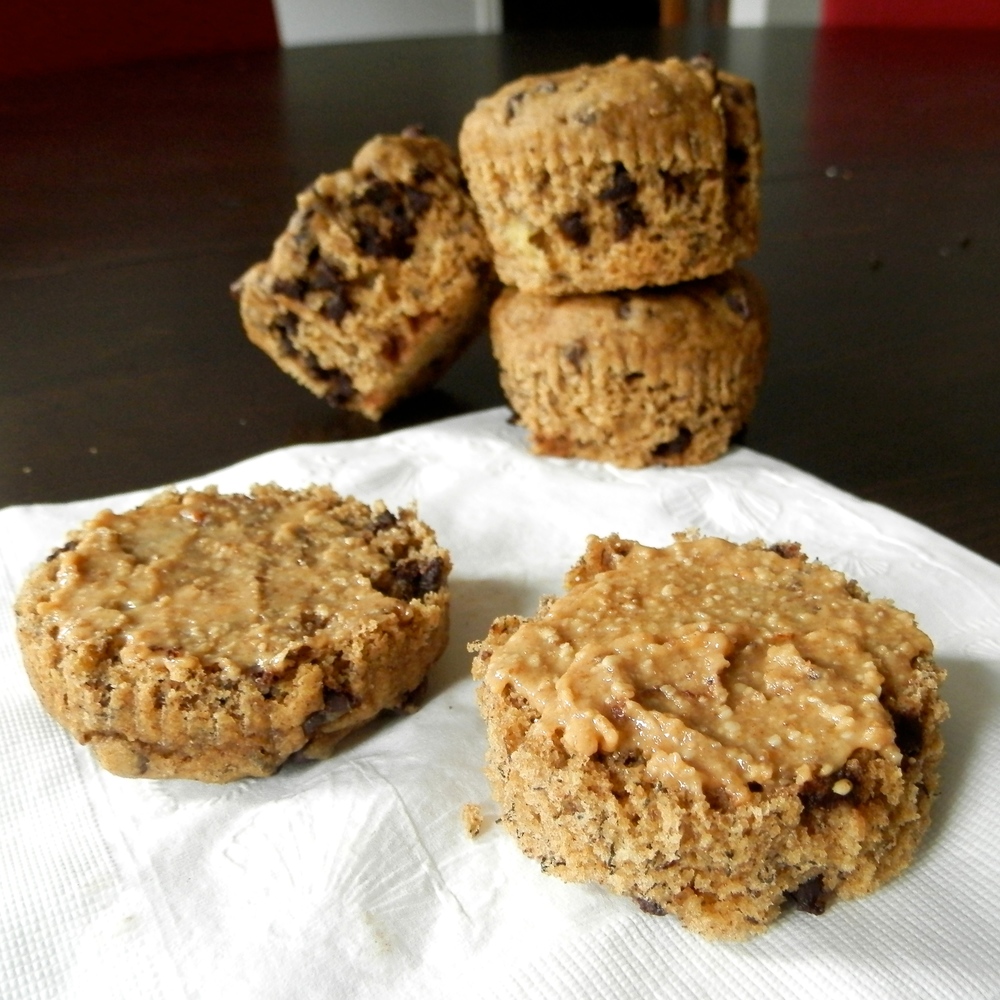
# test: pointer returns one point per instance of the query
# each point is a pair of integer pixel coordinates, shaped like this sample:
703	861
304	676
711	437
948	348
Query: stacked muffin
617	199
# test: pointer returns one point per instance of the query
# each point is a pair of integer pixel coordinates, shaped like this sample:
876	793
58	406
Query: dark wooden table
131	197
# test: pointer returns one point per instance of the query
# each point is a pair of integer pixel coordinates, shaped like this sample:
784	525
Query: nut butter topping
724	666
233	580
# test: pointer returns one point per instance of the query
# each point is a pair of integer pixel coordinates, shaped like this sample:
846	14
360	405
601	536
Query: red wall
39	36
913	13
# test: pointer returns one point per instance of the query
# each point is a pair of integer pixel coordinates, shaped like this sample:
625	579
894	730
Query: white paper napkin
354	877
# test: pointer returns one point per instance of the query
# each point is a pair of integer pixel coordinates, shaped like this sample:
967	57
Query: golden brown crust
381	277
651	378
624	175
212	636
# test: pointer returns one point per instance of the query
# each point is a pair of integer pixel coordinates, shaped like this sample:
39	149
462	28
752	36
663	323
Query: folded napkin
354	877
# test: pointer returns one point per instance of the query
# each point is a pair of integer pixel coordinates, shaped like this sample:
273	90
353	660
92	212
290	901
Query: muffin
714	730
657	377
213	636
379	280
624	175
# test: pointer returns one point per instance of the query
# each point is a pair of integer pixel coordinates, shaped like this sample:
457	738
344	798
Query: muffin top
729	667
671	110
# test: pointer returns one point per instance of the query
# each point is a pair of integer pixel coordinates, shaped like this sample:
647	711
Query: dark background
131	197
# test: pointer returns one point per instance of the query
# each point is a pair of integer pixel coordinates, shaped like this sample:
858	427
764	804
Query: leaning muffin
381	277
623	175
658	377
714	730
213	636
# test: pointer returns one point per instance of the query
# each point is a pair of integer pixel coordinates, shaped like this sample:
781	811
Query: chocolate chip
628	218
677	186
574	228
311	623
810	896
418	201
737	301
737	155
386	218
335	704
55	553
422	174
483	270
340	389
337	306
311	363
377	193
909	734
289	287
411	578
410	701
732	94
677	446
755	786
622	187
392	348
650	907
373	243
787	550
286	322
633	376
817	793
575	354
285	325
324	276
513	105
622	191
384	519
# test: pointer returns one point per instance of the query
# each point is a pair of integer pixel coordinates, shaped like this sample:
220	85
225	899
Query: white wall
754	13
314	22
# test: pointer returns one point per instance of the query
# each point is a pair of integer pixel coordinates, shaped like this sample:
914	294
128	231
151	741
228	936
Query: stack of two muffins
617	200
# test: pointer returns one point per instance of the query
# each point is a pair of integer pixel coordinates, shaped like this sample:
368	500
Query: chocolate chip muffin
623	175
715	730
214	636
381	277
658	377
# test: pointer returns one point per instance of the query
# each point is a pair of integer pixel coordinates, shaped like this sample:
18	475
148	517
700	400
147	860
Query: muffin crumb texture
212	636
657	377
381	277
718	731
472	819
630	174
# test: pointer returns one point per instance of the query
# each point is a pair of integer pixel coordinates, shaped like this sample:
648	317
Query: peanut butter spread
230	580
727	667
